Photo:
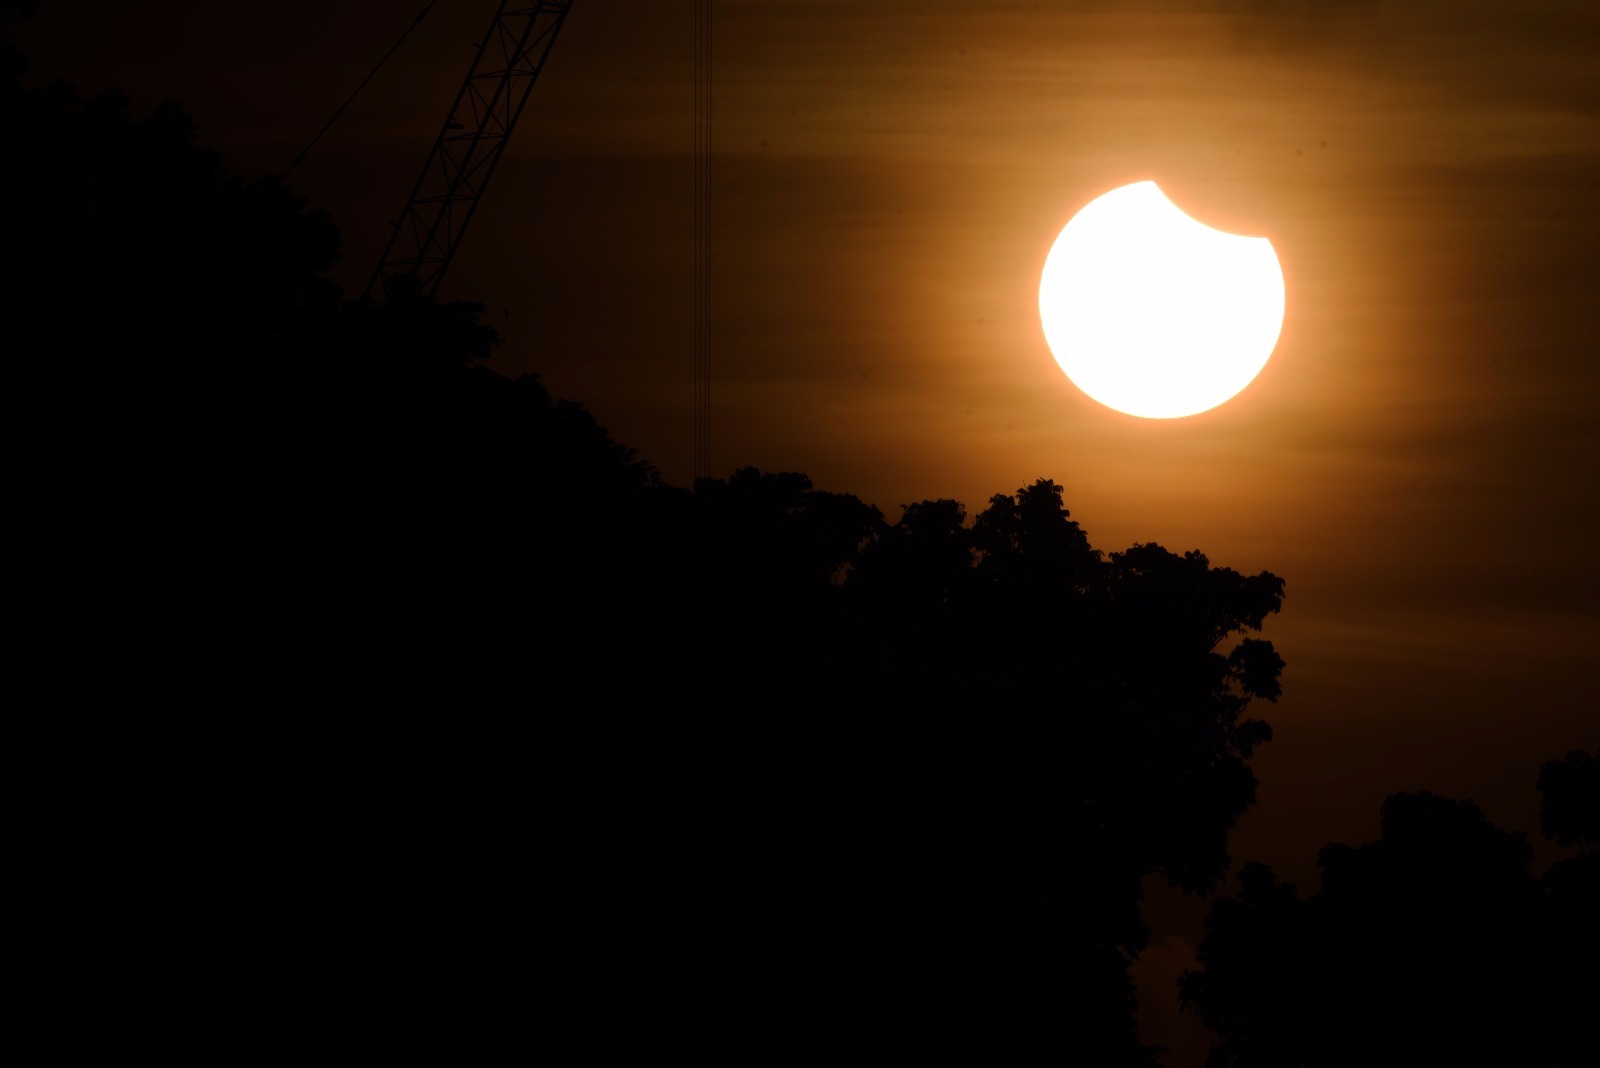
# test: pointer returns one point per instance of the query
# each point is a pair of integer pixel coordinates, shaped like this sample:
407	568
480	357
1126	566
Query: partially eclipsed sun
1154	314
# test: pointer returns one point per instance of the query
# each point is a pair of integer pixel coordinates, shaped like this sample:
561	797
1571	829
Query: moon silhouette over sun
1154	314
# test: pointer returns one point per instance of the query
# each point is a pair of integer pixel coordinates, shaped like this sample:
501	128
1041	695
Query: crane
465	154
470	143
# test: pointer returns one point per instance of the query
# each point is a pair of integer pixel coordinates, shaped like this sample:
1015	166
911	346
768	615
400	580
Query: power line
370	75
702	239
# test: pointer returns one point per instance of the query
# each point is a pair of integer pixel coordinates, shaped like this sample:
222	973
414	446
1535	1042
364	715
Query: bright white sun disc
1154	314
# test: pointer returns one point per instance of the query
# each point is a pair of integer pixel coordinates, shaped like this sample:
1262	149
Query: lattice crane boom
470	142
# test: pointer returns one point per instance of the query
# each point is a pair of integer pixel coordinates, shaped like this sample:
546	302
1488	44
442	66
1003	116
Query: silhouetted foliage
1432	945
1569	813
1569	800
938	778
1032	781
890	786
135	238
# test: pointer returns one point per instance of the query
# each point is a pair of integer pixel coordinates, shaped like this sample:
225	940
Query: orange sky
1420	459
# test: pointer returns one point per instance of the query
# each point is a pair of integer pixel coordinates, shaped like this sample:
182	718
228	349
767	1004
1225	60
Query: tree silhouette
1077	722
856	785
1569	803
135	233
1569	814
1431	945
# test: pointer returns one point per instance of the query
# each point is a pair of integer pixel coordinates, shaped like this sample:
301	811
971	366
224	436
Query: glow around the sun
1154	314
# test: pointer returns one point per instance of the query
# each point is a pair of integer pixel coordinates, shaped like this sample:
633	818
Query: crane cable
702	239
370	75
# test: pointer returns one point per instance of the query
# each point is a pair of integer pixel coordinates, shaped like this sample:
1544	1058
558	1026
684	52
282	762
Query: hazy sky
1419	460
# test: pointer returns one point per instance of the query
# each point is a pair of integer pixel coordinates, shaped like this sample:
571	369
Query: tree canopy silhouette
1432	945
962	745
1569	800
894	786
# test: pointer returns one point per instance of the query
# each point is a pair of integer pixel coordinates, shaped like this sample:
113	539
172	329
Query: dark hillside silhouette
1433	945
740	767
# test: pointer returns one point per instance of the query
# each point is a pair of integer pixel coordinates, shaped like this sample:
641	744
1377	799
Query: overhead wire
300	158
702	238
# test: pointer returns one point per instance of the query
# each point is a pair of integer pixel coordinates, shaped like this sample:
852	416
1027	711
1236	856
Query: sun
1154	314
